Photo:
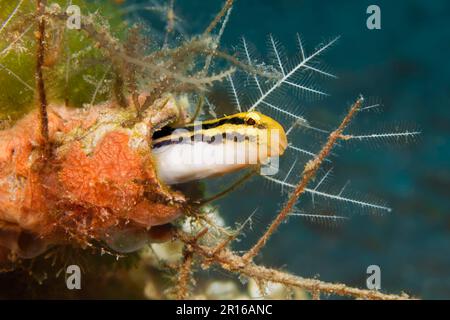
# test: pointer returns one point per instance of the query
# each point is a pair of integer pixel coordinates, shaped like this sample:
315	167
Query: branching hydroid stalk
219	16
40	57
170	24
185	275
309	172
234	263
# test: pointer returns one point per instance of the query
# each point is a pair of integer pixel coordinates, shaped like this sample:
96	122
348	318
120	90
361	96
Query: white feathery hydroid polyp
286	77
338	197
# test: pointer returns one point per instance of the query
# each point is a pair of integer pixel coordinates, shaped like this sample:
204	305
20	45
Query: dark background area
405	65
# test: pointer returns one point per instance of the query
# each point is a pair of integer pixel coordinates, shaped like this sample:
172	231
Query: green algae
77	64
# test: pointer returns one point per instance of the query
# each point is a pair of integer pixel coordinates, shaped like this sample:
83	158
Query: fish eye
250	122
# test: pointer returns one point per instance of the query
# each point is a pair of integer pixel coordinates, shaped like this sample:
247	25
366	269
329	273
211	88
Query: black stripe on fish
234	136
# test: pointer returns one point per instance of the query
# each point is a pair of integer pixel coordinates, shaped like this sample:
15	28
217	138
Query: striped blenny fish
215	147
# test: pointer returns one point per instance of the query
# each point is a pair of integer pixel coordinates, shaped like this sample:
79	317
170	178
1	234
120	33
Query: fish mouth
278	148
283	142
278	141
